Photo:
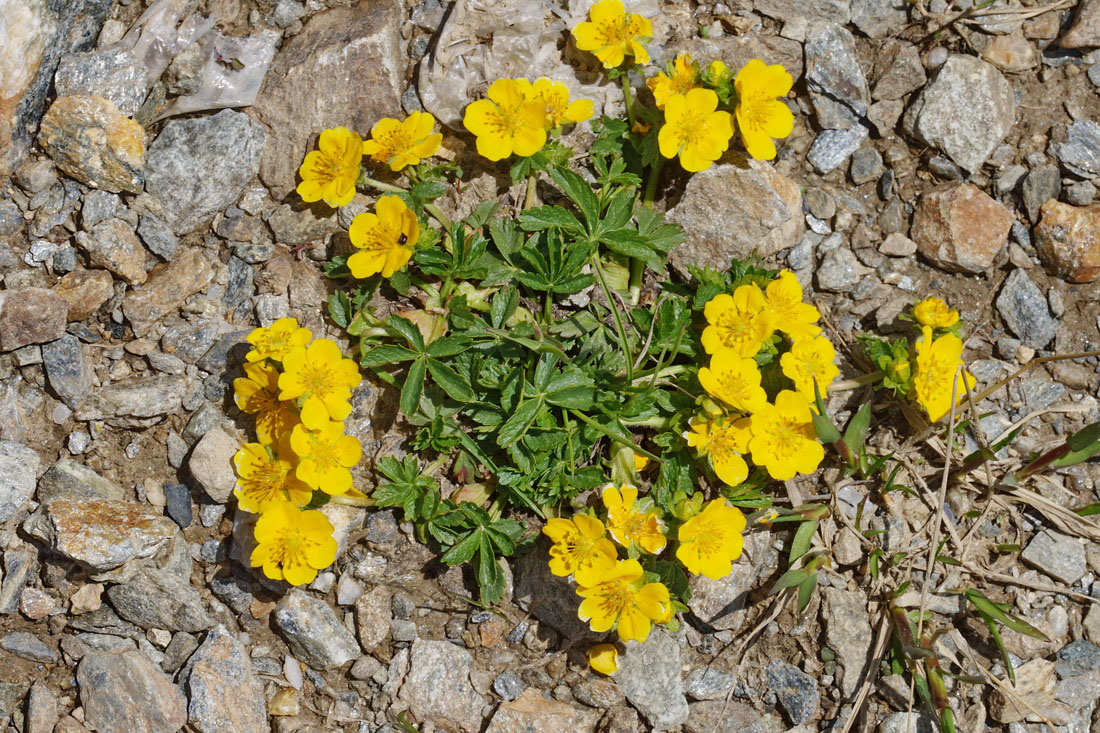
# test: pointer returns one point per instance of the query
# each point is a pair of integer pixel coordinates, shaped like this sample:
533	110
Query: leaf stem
614	437
847	385
615	314
628	97
364	501
532	196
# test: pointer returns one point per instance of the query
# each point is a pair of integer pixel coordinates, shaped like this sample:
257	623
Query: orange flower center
391	143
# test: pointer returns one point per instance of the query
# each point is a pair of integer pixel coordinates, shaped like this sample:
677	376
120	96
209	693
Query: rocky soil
148	221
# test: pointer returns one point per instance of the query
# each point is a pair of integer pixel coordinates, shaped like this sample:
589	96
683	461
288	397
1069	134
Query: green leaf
619	209
548	217
407	330
339	308
382	355
991	610
800	544
1088	510
505	236
790	579
519	422
1084	438
824	427
453	383
855	435
629	243
428	190
413	387
503	305
464	550
448	346
806	592
580	193
662	235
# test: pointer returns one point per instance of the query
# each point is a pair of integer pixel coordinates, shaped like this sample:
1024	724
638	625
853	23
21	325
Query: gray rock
1025	310
306	89
598	693
225	695
232	590
134	397
18	472
211	464
866	165
708	683
796	691
649	675
838	88
848	633
10	695
313	632
100	534
66	370
11	218
19	567
533	712
1080	153
1042	184
302	223
907	723
286	12
764	208
239	288
1081	193
879	18
158	237
438	686
840	271
126	691
1094	74
720	604
178	504
721	716
827	11
1058	555
508	685
373	616
1009	178
112	73
37	37
98	206
69	478
944	169
168	286
198	167
1077	658
156	600
42	709
832	147
113	245
552	599
965	111
1085	31
28	646
898	245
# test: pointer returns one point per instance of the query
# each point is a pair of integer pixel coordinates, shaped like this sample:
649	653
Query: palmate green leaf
547	217
490	576
453	383
630	243
339	308
662	235
448	346
619	209
506	236
580	193
413	387
519	422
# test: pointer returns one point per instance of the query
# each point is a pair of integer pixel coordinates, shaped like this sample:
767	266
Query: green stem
439	215
628	97
671	371
651	183
623	343
847	385
365	501
365	180
532	196
637	267
614	437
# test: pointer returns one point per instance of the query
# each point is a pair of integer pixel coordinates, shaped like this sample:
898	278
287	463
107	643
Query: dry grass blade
1065	519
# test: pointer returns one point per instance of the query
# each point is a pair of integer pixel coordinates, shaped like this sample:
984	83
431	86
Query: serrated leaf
407	330
580	193
339	308
629	243
503	305
619	209
428	190
519	423
448	346
464	550
547	217
453	383
382	355
413	387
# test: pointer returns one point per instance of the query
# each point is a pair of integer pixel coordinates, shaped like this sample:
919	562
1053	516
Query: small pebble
211	514
178	504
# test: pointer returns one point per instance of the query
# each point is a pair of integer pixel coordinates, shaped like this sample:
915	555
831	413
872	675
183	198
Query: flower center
615	596
317	377
754	112
722	445
394	142
735	327
380	238
327	168
268	479
785	435
708	540
615	32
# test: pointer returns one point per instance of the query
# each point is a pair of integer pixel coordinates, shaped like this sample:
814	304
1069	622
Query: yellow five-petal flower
682	77
935	313
266	477
292	544
554	95
738	322
937	364
324	457
629	524
808	360
507	122
385	239
783	437
401	143
724	442
578	542
695	129
735	380
257	393
760	115
711	540
612	34
618	596
330	172
275	341
321	375
783	299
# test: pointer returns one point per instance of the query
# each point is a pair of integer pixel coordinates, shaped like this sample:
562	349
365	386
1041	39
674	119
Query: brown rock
94	143
533	713
167	287
1035	684
100	534
84	291
113	245
126	691
1010	53
31	316
275	277
897	71
372	617
1068	241
1085	32
345	68
761	212
960	228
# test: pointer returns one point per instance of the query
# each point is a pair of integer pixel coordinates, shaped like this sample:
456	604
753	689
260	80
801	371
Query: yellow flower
265	477
554	96
711	540
760	115
810	359
738	322
604	658
935	313
507	122
619	595
385	239
401	143
695	129
629	524
783	299
324	457
257	393
276	340
293	545
734	380
578	542
330	172
323	377
718	72
783	437
640	462
682	77
612	34
937	363
724	442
